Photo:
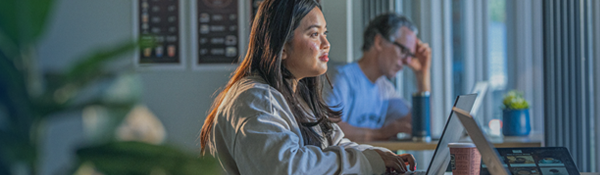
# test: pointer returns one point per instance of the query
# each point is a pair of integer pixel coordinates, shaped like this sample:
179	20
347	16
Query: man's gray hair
386	24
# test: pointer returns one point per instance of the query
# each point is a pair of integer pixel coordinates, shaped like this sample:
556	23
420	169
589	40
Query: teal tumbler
421	113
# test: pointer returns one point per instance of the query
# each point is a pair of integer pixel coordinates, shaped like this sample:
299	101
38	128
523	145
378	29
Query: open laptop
452	133
538	160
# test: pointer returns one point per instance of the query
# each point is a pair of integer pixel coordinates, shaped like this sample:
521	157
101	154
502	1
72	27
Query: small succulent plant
513	100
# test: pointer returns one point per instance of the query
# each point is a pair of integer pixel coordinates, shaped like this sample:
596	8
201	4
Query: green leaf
14	98
63	88
15	147
40	12
514	100
88	68
61	95
8	20
4	167
24	21
142	158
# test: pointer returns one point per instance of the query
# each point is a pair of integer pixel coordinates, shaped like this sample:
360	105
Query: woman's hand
397	163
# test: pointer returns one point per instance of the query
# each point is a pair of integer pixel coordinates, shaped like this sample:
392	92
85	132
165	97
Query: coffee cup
464	158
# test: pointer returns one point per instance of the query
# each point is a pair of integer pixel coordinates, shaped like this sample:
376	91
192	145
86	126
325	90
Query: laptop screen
543	161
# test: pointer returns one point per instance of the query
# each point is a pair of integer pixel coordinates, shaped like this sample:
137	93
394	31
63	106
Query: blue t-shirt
363	103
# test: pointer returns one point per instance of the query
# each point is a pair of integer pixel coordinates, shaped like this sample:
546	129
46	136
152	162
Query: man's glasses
404	51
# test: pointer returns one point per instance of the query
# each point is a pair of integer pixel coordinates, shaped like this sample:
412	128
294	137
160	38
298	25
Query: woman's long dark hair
272	28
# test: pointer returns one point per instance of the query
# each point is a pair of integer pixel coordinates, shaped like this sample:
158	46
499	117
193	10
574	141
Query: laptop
452	133
538	160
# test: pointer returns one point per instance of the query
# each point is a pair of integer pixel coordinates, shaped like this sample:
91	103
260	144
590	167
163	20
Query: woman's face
306	55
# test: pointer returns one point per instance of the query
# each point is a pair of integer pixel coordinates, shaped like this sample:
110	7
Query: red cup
464	158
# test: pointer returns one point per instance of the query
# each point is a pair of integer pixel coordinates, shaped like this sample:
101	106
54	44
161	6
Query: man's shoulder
345	70
347	67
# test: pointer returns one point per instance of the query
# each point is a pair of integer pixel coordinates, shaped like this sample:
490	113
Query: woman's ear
284	52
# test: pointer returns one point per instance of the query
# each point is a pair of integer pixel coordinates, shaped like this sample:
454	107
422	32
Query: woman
271	119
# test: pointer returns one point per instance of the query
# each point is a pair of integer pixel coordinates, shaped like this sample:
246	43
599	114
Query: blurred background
83	82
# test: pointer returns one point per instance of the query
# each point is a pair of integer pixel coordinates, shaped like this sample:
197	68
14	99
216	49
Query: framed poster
159	21
217	27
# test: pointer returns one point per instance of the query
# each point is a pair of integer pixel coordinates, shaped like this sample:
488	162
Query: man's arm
421	66
389	130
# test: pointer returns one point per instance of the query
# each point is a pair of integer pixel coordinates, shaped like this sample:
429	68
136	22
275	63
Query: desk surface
450	173
507	142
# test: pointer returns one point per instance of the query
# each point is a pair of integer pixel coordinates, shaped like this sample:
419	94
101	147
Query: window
491	43
497	61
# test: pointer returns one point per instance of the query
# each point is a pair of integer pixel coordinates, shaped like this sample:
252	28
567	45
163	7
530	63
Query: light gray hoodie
255	133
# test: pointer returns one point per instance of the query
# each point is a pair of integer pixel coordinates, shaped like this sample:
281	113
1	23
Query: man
371	108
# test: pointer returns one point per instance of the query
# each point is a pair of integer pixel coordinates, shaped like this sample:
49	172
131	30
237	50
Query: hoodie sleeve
268	142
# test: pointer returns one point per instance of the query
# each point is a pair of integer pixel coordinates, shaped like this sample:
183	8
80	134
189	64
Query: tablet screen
541	161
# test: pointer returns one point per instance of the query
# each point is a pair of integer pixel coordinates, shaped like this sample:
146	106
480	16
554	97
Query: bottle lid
461	145
421	94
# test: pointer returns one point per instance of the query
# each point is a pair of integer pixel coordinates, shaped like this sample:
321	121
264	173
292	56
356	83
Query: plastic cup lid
461	145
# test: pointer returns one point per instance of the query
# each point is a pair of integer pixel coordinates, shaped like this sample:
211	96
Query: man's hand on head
421	66
422	61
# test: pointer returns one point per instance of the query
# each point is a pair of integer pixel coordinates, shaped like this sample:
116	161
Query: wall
340	30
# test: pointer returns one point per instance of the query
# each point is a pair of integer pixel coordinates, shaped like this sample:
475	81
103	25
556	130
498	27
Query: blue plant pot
516	122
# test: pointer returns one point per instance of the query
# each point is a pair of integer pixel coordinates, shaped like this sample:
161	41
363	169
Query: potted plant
515	114
29	97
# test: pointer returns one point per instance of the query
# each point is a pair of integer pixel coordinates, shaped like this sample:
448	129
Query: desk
450	173
420	146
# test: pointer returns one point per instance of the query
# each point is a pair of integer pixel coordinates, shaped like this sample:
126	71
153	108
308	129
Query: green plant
29	97
132	158
513	100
